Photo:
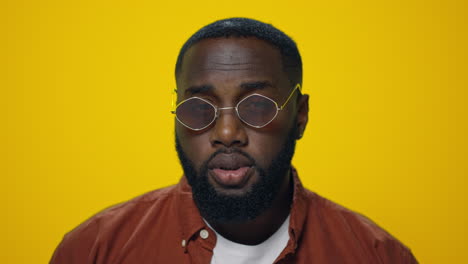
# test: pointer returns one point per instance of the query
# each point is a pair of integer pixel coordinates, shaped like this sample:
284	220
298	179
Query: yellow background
85	90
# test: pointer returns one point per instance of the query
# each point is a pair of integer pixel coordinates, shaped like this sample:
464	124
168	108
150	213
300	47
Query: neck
257	230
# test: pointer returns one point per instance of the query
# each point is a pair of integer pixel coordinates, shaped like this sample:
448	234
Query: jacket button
184	243
204	234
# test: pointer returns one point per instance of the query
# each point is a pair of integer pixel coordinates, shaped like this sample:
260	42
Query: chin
231	192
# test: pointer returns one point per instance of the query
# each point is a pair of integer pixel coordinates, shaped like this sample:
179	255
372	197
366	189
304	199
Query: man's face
229	163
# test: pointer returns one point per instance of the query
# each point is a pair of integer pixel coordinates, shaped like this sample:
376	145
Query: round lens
257	110
195	113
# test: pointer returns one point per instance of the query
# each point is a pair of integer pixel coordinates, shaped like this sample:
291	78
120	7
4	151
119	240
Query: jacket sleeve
392	251
78	246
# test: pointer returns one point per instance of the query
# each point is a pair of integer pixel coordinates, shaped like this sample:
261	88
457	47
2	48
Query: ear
302	115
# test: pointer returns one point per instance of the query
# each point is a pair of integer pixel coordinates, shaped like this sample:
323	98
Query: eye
201	107
195	107
257	103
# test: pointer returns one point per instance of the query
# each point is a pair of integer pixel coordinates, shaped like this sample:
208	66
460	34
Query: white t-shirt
228	252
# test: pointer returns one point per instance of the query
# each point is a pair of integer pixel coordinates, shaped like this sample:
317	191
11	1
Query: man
239	112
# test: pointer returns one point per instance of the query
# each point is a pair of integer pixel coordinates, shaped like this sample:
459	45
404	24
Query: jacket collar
191	221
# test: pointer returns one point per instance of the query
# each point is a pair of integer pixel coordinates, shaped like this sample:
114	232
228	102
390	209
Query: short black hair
245	27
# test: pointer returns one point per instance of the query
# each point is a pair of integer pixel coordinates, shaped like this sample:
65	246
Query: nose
228	130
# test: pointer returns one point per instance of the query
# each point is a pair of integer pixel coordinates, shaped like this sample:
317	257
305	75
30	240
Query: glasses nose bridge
218	110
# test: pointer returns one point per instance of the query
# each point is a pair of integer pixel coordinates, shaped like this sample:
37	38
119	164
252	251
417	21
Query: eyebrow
256	85
207	88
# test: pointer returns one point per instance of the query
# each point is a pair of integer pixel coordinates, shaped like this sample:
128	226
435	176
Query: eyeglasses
255	110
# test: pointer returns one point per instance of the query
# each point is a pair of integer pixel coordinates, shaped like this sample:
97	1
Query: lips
230	170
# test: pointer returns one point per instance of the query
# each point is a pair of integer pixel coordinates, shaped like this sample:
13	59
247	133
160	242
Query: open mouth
230	170
231	177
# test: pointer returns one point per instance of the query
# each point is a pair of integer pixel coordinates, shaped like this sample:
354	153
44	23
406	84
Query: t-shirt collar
191	222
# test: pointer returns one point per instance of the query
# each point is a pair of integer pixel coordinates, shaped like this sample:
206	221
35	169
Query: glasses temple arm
298	86
173	101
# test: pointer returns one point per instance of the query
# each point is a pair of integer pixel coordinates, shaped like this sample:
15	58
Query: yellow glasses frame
174	107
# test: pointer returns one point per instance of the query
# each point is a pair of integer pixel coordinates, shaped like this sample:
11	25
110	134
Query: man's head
235	169
242	28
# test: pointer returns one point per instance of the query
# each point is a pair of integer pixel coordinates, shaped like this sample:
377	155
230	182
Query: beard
216	207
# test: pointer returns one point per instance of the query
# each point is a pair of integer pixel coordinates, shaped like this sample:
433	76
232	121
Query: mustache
227	151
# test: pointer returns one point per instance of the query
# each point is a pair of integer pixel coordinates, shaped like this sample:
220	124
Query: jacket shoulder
351	227
82	244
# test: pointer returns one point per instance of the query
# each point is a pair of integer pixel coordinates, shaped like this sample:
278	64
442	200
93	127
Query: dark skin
223	71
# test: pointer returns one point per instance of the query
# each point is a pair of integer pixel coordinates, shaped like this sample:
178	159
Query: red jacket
164	226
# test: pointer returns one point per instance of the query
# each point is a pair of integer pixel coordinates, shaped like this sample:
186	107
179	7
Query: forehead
229	61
